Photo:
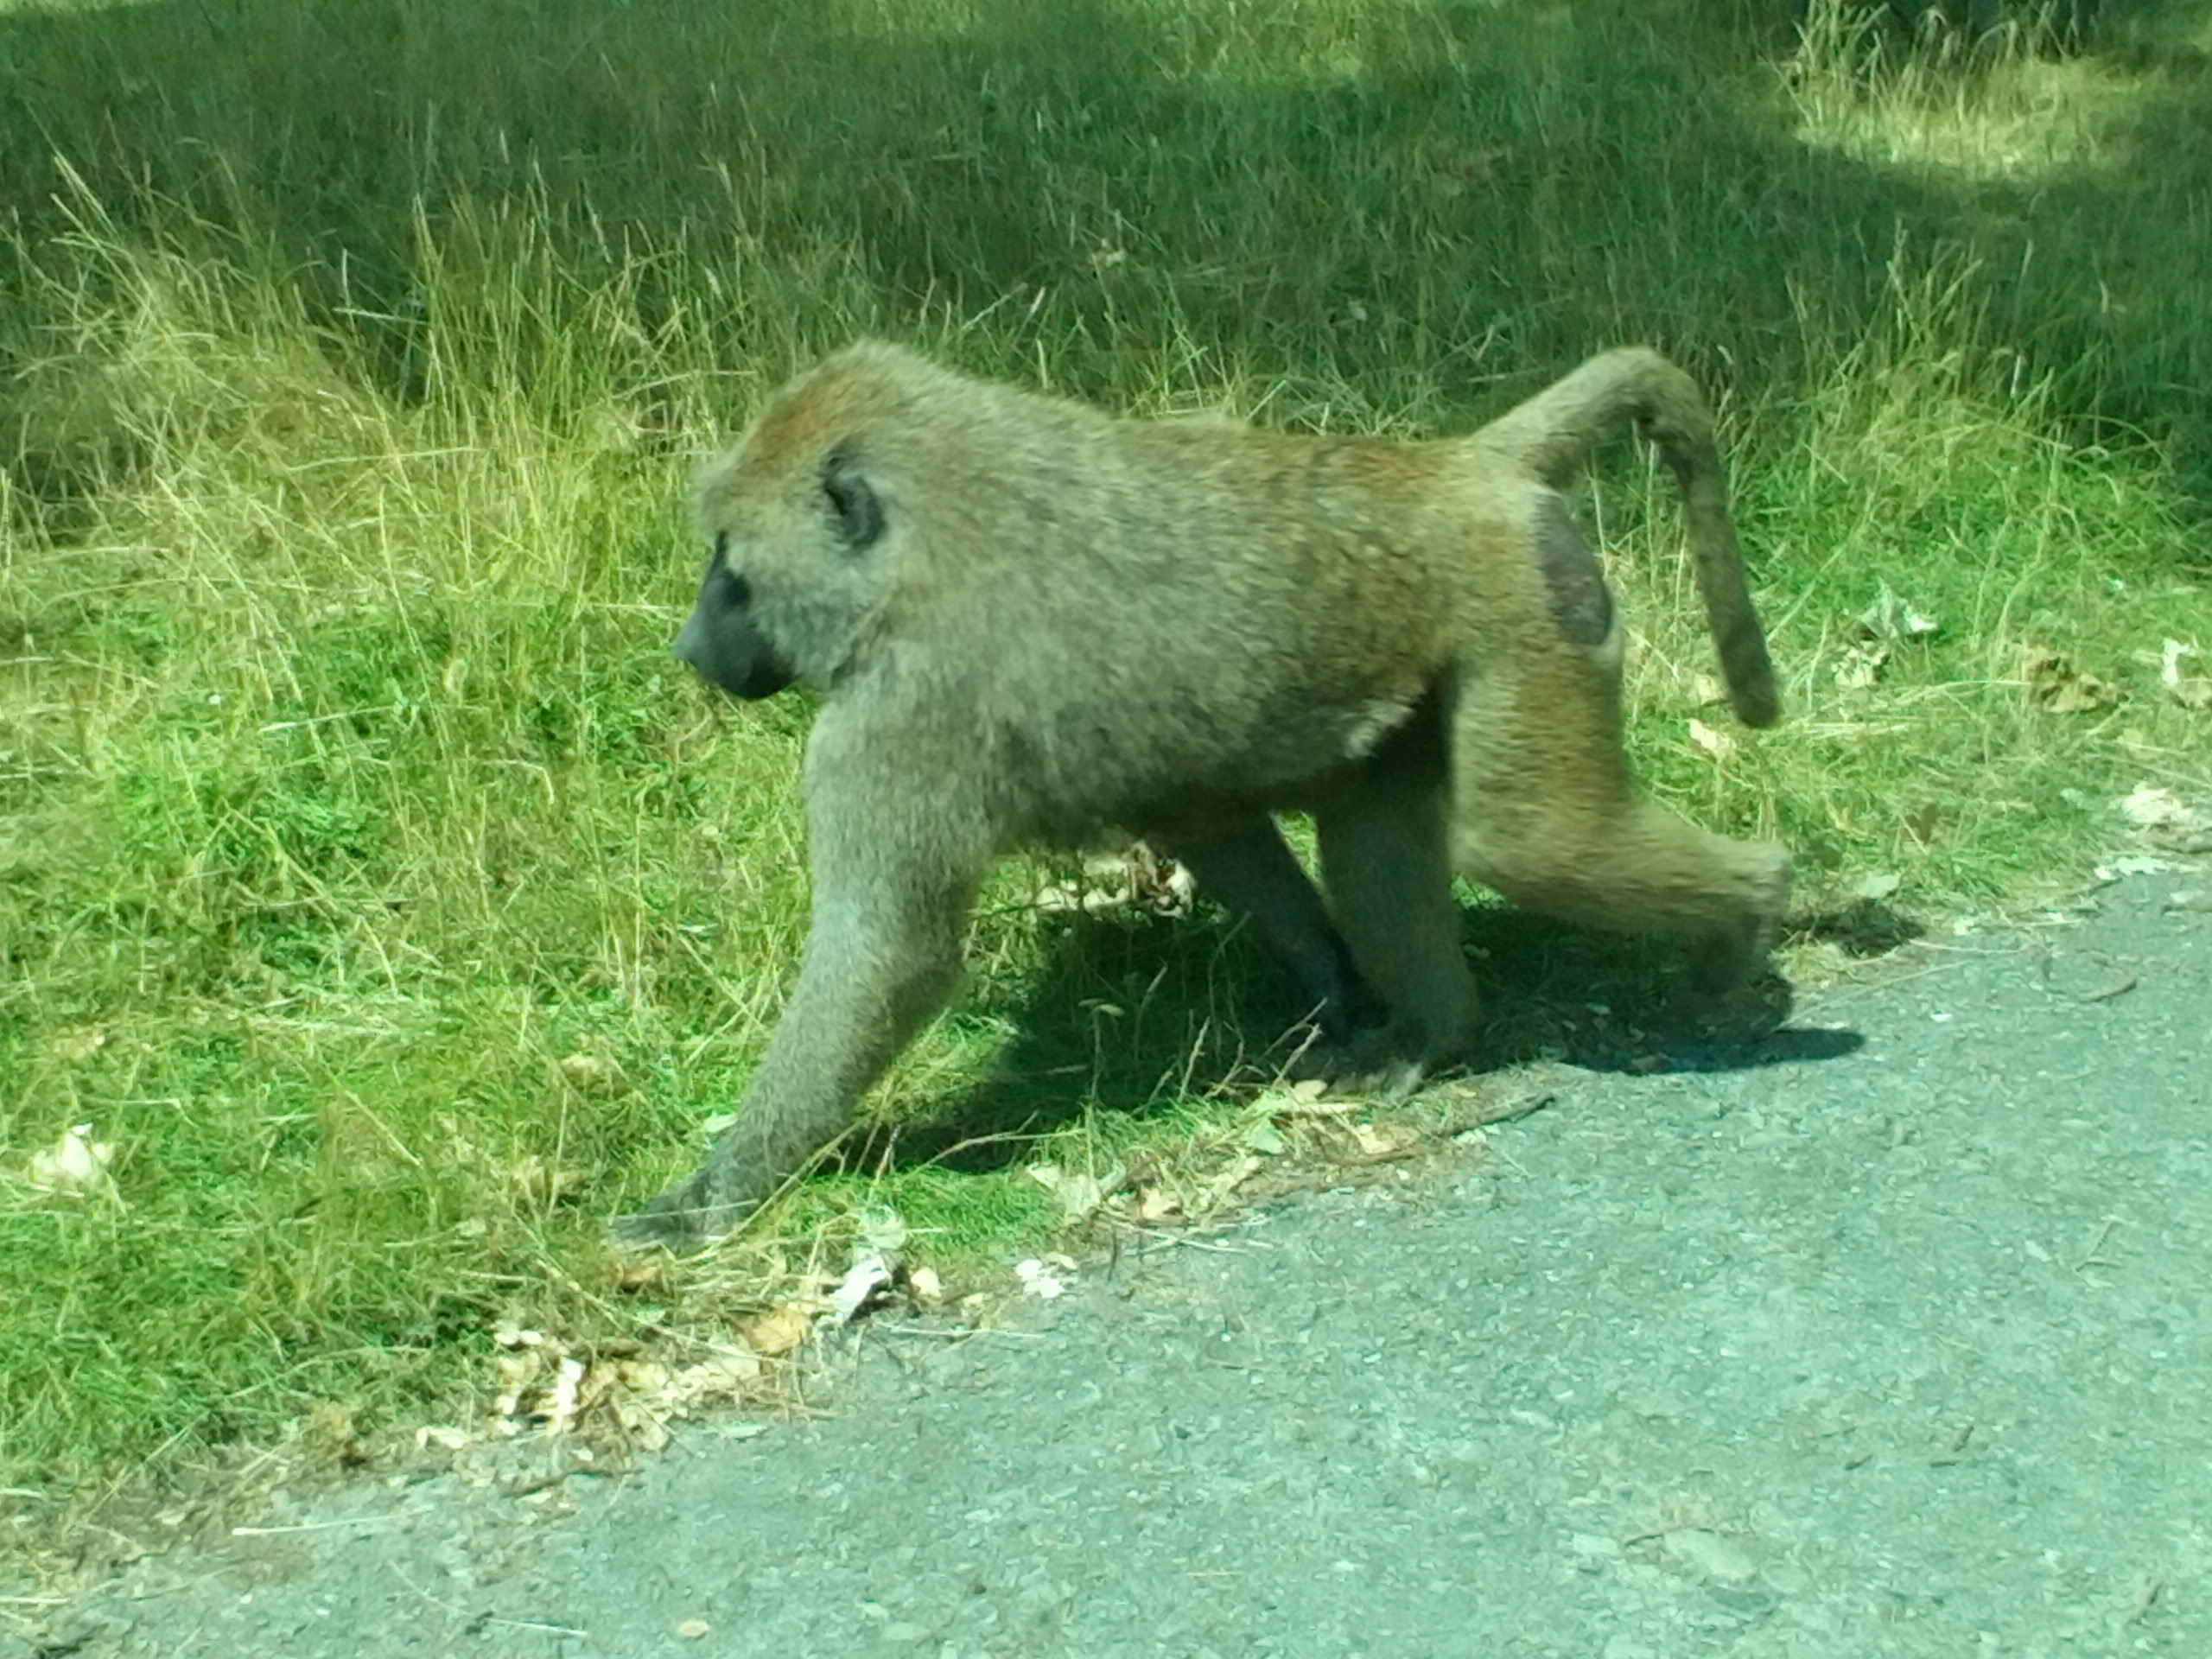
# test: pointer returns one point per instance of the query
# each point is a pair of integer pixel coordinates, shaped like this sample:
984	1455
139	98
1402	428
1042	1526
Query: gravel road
1904	1350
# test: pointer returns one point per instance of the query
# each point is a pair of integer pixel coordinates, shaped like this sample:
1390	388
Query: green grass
354	357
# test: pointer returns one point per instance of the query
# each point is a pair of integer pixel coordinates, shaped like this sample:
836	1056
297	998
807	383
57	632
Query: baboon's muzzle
732	655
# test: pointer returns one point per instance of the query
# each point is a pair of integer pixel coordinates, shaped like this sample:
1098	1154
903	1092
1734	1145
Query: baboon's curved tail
1552	433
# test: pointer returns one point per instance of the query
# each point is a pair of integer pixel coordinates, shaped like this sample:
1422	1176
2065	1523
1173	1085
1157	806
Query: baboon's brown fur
1031	620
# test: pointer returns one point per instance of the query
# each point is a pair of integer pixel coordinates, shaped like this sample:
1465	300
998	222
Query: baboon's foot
1733	955
1354	1071
1387	1060
1753	1008
1308	1055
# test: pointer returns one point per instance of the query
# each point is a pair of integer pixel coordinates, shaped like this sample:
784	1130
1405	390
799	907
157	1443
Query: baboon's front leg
881	955
1385	857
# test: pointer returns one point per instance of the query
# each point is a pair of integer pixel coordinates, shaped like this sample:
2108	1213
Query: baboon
1031	620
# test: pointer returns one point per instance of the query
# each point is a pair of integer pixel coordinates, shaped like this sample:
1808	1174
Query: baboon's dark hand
711	1203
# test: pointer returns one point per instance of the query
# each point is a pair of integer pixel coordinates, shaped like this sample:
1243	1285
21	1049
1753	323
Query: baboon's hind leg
1543	812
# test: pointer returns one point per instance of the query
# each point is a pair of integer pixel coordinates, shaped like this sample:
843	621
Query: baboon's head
797	520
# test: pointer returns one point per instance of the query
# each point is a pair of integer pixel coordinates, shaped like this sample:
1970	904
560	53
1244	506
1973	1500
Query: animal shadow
1131	1011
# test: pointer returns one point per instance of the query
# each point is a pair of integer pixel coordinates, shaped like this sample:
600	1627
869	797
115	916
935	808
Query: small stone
1710	1554
1786	1578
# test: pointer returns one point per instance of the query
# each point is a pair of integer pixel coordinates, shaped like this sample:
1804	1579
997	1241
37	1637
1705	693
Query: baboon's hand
711	1203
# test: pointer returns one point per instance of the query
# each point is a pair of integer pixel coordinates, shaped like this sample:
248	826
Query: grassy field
352	359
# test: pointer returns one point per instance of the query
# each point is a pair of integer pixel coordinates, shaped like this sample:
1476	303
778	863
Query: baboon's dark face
723	639
791	575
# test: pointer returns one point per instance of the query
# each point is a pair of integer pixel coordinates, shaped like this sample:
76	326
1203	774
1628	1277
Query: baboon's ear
852	499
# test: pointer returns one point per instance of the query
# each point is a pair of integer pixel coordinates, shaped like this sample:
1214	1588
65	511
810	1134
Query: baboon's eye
860	512
735	591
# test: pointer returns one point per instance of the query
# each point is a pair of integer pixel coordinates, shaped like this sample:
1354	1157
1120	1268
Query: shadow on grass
1130	1014
1124	1014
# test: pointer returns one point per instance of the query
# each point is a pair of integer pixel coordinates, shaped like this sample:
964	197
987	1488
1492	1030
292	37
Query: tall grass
355	355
